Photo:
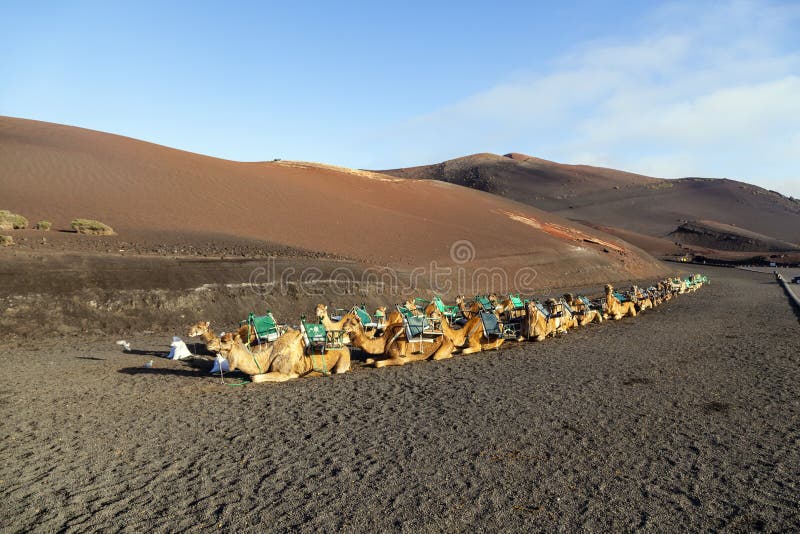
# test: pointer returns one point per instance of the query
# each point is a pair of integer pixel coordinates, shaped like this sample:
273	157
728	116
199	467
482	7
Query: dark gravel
685	418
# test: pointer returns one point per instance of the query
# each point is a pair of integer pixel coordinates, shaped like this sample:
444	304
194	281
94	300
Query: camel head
609	289
351	324
199	328
227	342
412	307
498	306
322	311
569	298
459	300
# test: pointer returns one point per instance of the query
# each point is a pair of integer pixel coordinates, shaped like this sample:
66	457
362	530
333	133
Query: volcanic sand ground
686	417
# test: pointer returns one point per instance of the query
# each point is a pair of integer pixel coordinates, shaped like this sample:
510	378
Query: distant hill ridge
603	197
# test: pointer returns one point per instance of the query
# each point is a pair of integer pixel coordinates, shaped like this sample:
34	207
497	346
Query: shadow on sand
194	367
139	352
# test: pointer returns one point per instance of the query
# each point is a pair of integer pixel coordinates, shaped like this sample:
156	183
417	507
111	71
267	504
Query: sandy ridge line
344	170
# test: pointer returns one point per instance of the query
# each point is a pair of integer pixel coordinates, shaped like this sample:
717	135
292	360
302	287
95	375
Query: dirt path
687	417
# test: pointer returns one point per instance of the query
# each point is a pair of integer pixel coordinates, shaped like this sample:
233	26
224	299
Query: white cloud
711	90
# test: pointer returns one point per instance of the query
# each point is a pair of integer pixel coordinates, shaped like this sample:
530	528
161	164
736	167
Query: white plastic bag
220	361
179	350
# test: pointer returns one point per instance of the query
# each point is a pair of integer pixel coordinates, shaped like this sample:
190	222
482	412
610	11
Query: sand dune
143	191
631	202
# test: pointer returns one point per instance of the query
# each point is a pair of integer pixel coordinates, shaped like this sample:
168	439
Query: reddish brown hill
632	202
146	191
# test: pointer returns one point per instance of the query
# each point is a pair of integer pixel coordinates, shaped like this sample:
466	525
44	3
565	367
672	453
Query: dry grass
91	227
12	221
43	225
6	240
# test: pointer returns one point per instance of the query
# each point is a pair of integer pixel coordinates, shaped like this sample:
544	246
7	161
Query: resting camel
395	317
467	312
615	308
538	325
470	338
559	310
282	360
664	289
677	285
399	351
322	315
643	299
203	329
583	313
371	345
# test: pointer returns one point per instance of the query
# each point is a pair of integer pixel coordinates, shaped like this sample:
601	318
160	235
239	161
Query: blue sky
668	89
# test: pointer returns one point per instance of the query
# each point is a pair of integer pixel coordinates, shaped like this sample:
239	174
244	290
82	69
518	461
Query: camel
395	347
400	351
677	286
411	306
664	288
282	360
467	312
615	308
203	329
371	345
470	338
584	314
641	300
394	317
537	325
656	297
322	314
564	318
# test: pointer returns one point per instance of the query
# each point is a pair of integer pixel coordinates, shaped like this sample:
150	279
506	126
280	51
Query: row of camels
389	344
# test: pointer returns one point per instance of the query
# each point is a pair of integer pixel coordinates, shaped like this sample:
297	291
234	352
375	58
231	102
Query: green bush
12	221
90	226
6	240
43	225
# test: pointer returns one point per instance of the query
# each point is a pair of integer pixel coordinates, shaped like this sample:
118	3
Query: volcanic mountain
151	193
651	212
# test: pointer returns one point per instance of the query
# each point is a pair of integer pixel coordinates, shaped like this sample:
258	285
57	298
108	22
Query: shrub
90	226
6	240
12	221
43	225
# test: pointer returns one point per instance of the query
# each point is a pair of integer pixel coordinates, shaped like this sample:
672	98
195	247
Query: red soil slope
145	191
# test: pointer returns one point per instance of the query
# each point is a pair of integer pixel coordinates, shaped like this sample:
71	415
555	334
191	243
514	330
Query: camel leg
445	351
474	345
342	366
493	344
342	363
273	377
389	362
